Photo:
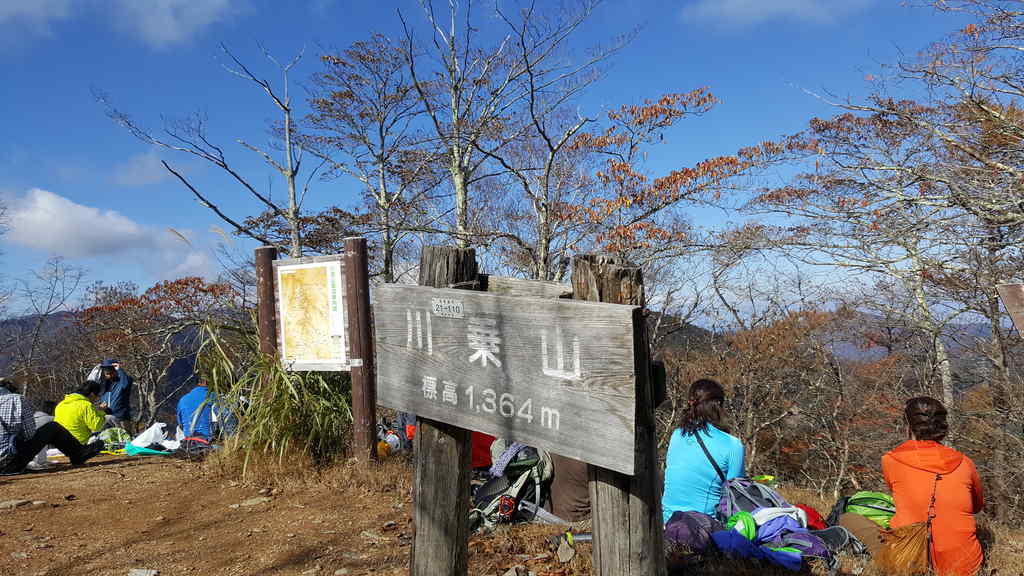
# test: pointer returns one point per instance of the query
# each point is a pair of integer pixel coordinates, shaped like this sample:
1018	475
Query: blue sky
79	186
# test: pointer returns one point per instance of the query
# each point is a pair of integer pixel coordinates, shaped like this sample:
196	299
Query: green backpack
875	506
115	438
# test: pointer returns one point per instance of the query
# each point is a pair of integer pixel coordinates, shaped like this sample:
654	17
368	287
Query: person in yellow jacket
78	414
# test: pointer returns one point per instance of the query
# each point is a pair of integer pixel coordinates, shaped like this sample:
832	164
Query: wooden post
266	311
361	353
441	482
626	509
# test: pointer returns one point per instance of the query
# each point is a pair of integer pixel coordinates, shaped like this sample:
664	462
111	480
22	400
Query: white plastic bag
153	435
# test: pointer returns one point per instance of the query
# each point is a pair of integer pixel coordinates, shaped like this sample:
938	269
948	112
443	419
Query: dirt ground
115	514
181	518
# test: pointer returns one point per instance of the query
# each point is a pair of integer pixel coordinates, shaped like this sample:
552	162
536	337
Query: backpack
907	550
741	494
808	544
746	495
772	523
523	479
194	448
814	519
690	532
838	539
115	438
875	506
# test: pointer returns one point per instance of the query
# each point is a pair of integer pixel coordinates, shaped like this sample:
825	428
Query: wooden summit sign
1012	296
558	374
311	314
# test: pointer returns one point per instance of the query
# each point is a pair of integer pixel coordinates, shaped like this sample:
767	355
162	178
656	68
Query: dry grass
390	483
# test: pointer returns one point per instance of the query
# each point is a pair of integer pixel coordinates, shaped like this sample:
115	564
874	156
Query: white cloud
140	170
52	223
742	13
158	23
36	14
165	23
58	226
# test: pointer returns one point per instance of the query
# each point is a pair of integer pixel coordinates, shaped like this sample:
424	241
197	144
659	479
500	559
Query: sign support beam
361	352
441	482
266	311
626	509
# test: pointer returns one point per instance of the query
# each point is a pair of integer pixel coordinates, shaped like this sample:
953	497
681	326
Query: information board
312	327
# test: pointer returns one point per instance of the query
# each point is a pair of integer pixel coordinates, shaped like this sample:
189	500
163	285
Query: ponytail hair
926	418
706	405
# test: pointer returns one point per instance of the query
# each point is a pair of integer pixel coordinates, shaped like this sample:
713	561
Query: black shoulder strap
696	434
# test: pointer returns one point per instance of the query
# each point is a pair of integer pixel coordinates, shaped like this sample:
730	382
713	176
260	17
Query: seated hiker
21	439
117	393
930	479
78	414
692	482
8	386
198	413
570	490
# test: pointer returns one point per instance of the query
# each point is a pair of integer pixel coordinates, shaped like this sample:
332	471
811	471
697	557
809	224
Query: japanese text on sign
524	369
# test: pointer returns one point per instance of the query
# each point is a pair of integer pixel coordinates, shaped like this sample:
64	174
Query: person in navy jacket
117	393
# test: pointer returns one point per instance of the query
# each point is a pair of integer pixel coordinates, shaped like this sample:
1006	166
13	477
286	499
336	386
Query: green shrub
290	416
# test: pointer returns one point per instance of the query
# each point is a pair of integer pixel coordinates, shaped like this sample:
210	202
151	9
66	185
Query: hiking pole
574	538
571	538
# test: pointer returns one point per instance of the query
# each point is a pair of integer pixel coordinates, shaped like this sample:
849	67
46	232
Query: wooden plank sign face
532	288
557	374
310	295
1012	296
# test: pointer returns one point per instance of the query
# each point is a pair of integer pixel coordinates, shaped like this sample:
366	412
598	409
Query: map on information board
311	313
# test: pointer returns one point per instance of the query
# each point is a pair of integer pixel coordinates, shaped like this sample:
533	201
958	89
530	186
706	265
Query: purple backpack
774	529
690	531
808	544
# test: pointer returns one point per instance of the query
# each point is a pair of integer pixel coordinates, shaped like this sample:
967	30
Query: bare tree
473	94
189	136
851	212
43	298
365	110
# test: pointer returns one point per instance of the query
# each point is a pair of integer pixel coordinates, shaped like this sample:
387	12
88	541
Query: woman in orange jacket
922	467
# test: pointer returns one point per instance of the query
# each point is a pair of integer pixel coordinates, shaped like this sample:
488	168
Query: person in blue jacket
691	482
198	413
116	399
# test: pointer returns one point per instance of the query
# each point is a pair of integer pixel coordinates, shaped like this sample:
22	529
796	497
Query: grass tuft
285	419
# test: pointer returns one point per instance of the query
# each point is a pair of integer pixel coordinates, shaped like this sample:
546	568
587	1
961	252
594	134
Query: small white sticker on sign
447	307
355	362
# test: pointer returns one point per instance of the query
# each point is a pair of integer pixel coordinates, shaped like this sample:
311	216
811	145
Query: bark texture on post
361	352
266	306
441	482
626	509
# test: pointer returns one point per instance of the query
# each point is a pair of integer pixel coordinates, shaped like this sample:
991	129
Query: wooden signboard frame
352	322
337	285
557	374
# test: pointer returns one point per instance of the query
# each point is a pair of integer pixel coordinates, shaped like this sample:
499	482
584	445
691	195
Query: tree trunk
295	251
926	322
461	200
544	245
1000	383
387	245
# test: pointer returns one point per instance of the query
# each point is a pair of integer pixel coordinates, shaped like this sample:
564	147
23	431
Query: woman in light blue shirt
691	482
